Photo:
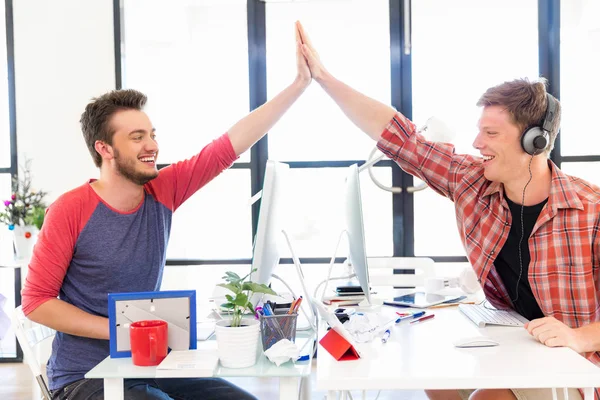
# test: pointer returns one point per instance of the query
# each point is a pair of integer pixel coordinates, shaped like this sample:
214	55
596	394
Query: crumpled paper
366	327
282	351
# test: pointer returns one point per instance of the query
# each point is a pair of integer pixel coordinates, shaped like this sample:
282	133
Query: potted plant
238	337
24	212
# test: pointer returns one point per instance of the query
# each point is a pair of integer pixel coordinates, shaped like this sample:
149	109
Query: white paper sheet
201	362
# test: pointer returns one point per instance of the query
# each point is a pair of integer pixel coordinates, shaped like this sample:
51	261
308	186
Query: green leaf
229	297
240	300
231	277
227	305
231	287
258	288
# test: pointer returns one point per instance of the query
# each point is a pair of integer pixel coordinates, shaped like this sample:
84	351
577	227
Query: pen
386	336
297	305
292	307
423	319
451	304
411	316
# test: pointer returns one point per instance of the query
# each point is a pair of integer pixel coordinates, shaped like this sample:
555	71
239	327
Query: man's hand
317	70
553	333
304	75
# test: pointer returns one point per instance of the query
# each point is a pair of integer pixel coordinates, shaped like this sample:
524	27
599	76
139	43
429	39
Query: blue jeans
157	389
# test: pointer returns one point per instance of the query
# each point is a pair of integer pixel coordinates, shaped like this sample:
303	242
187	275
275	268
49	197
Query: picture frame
176	307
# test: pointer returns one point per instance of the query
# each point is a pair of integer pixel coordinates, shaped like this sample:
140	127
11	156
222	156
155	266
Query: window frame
401	99
12	120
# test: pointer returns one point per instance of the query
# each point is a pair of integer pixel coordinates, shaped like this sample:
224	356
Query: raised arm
369	115
250	129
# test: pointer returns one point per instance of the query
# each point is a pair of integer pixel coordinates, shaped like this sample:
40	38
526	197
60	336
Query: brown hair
526	102
95	120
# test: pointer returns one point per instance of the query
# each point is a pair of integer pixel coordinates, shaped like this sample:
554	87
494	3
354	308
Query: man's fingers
300	31
300	53
297	32
308	54
550	339
541	330
543	337
535	324
303	35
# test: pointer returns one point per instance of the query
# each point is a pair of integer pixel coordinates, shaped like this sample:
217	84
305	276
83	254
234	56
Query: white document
200	363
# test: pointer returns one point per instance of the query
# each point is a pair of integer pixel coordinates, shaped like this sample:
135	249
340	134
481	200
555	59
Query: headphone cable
522	233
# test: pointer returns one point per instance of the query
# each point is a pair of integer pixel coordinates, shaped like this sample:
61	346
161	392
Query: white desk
422	356
291	375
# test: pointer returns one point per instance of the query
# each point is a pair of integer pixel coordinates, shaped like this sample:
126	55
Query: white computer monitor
271	235
355	229
268	239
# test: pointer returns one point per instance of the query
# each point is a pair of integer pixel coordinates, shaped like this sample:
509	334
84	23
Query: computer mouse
476	341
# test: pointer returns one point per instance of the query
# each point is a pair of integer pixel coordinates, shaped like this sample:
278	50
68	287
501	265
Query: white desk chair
381	271
36	342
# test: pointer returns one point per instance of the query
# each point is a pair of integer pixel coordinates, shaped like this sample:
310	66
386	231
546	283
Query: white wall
64	56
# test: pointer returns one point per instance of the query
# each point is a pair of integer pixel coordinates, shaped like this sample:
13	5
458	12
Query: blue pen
415	315
267	309
386	336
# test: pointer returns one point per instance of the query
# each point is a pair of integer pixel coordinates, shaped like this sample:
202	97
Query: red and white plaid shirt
564	272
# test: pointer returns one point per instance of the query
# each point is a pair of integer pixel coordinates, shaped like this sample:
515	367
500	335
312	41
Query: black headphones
535	138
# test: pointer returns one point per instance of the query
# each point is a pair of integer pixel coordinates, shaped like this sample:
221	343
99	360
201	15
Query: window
447	82
4	116
579	62
8	345
215	223
197	89
317	212
583	170
458	50
353	39
315	129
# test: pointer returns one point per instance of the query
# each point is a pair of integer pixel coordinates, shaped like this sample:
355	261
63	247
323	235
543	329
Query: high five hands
306	49
304	74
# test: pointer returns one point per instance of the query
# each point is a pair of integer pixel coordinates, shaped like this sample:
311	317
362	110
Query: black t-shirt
507	262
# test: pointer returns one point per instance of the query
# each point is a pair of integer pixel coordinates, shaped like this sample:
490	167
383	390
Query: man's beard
127	169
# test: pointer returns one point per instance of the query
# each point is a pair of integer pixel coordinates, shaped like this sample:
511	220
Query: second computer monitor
266	251
355	230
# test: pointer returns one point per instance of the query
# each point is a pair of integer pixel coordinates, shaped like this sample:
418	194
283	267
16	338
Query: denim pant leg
202	389
93	389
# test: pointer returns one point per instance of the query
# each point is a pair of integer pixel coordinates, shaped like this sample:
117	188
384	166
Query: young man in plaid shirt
530	231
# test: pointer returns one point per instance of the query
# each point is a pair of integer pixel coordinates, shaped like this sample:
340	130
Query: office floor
16	384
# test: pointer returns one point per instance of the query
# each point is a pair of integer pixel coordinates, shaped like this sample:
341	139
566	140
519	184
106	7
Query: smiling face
134	146
498	141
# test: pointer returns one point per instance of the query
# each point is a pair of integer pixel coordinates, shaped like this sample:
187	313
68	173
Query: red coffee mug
148	342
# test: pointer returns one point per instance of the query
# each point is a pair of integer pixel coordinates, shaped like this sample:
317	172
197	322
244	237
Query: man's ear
105	150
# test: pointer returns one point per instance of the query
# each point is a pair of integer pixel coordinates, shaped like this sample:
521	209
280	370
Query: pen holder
273	328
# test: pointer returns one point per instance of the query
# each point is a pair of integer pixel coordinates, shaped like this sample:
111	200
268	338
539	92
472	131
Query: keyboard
482	316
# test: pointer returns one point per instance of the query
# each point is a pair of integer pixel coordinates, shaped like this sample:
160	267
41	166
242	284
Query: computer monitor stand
364	305
312	319
332	262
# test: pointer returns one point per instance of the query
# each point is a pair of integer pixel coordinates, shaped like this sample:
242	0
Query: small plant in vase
238	338
24	211
243	291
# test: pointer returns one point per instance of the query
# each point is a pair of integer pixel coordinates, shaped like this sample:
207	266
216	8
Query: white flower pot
24	238
238	346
